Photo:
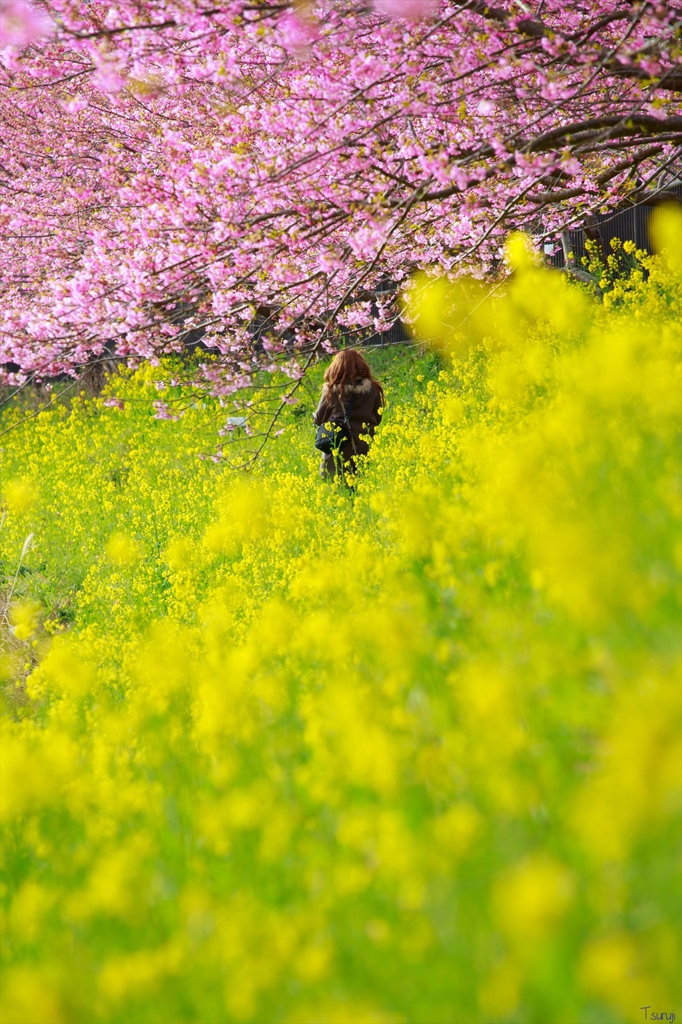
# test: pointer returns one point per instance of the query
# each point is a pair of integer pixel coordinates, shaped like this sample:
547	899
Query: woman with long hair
349	391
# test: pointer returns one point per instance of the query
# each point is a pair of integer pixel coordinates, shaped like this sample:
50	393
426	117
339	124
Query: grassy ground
90	470
275	752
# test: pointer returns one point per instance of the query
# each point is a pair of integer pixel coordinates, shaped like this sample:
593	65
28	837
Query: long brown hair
346	366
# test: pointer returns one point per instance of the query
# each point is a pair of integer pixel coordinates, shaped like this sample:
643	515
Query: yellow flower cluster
410	753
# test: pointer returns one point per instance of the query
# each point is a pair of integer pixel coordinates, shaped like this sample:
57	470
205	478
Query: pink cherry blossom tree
179	166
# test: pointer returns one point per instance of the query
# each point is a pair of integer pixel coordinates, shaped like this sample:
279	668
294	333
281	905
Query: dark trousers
344	462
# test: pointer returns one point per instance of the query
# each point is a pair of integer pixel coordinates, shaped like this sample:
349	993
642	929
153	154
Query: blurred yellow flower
19	495
122	549
24	616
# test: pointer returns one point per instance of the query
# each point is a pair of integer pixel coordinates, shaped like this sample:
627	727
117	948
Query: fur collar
360	388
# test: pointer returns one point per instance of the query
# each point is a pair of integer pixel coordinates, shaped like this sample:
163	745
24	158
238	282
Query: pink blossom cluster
174	166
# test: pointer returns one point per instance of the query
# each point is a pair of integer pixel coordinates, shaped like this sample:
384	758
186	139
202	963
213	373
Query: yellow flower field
277	752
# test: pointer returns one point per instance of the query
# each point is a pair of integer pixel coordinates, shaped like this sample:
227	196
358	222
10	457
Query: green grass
277	752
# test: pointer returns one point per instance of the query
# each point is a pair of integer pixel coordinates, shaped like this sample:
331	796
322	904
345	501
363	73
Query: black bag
331	435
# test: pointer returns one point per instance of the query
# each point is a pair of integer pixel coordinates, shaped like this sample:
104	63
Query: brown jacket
364	417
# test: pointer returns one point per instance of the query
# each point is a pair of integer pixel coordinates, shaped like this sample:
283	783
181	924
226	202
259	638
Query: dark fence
629	223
